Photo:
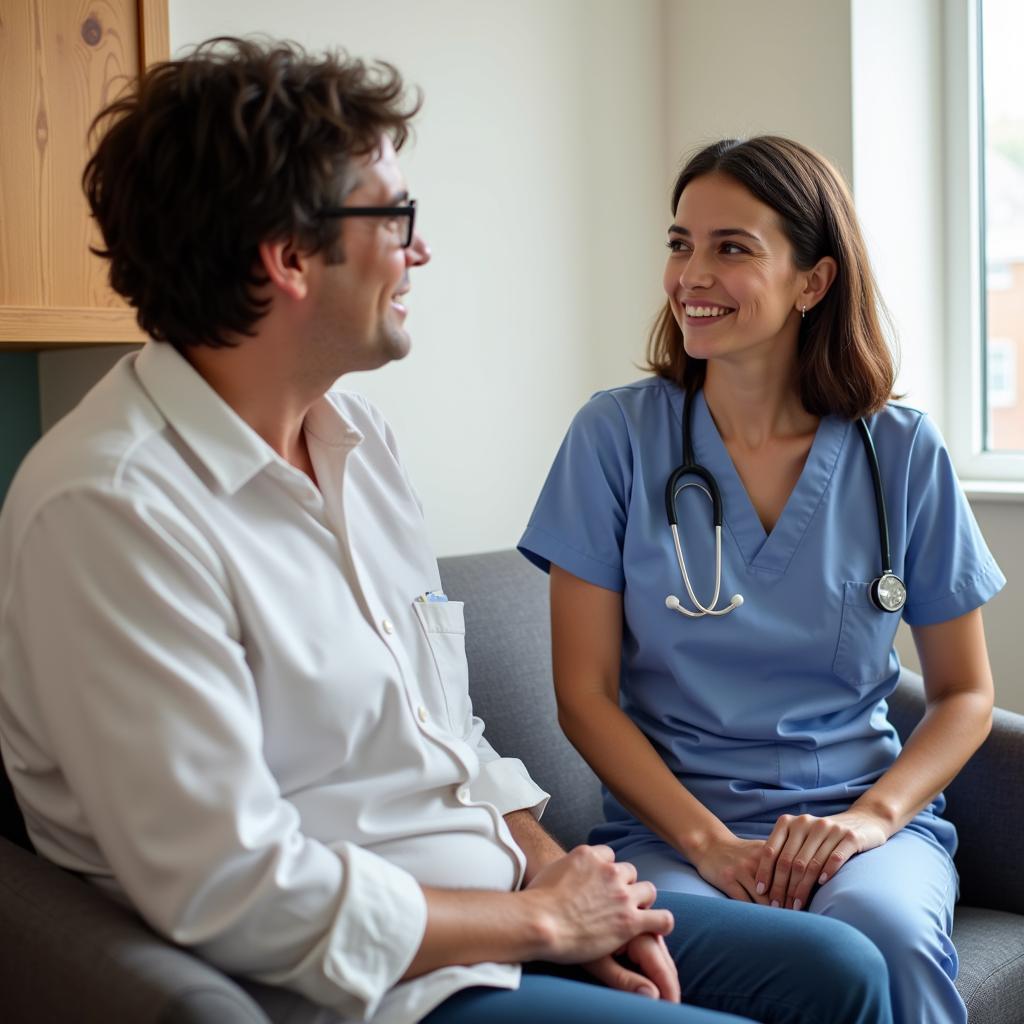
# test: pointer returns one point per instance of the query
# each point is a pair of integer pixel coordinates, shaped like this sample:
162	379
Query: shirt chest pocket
864	653
444	629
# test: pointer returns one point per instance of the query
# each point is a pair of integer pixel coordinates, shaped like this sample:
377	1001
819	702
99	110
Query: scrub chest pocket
864	653
444	627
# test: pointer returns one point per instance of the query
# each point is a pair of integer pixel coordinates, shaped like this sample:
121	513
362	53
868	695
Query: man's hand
579	908
804	851
655	975
651	970
731	864
590	906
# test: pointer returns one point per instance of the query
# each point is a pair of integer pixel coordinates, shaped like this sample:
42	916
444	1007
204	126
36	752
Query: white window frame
964	266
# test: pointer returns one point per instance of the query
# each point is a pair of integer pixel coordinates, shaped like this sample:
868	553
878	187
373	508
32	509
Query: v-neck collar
773	551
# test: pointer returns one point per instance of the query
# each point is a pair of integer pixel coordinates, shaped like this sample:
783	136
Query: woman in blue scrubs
747	754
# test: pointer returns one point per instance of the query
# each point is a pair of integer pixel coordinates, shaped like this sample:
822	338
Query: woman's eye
732	249
675	245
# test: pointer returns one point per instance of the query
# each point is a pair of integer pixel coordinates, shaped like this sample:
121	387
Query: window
1001	150
1000	276
1002	373
985	237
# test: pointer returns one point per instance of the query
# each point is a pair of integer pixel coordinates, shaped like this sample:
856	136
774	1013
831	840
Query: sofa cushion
70	953
987	816
990	944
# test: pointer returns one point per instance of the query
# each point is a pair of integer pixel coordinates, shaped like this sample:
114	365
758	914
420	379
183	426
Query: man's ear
286	266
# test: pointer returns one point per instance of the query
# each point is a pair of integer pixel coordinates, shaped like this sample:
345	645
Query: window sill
997	491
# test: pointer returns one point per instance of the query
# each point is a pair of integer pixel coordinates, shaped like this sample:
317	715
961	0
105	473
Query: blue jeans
736	963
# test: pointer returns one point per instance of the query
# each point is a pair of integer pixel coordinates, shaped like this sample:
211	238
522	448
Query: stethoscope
888	592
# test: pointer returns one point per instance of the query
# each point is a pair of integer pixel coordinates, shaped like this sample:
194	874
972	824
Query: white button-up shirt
222	697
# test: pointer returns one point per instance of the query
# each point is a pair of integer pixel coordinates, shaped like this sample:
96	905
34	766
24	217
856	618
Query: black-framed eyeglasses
395	213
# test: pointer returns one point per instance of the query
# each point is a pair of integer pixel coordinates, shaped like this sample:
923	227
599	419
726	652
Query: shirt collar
227	446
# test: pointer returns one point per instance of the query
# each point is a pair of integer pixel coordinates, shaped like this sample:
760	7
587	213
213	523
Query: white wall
542	162
746	67
899	182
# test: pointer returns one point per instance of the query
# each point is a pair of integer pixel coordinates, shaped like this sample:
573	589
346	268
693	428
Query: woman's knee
899	931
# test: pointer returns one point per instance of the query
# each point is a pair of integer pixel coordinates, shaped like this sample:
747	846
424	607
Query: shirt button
388	626
421	713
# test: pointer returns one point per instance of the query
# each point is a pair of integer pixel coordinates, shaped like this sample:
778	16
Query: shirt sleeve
949	568
504	781
579	521
140	680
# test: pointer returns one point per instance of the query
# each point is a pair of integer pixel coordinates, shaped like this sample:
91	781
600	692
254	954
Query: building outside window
1001	151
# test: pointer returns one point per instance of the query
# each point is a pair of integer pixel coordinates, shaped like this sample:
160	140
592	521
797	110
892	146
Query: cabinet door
60	62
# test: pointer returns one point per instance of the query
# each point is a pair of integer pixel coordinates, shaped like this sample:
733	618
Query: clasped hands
801	853
597	914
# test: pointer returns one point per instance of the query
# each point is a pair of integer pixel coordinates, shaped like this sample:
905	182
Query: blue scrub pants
736	963
899	895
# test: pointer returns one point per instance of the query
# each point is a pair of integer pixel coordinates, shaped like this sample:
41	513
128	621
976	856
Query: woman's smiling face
730	277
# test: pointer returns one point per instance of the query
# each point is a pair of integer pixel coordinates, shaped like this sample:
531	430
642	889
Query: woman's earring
803	312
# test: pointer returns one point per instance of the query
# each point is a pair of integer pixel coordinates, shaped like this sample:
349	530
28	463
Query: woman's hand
804	851
731	864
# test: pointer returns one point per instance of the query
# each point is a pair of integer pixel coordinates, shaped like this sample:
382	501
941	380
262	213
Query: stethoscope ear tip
672	602
736	600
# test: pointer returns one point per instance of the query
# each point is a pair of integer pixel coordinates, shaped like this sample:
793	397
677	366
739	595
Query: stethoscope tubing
690	467
876	480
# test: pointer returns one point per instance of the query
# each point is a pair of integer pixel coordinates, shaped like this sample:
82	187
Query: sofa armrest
68	952
985	802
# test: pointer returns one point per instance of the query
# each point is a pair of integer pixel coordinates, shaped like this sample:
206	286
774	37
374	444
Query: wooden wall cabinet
61	61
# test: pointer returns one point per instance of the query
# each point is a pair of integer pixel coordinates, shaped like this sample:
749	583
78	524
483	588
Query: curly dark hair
845	365
239	142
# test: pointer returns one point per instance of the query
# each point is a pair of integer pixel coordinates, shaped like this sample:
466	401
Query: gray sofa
69	954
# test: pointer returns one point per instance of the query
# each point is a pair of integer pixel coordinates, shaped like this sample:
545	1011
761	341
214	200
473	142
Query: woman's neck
753	405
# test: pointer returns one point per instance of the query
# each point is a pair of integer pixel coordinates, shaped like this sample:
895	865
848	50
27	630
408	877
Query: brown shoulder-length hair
240	142
845	365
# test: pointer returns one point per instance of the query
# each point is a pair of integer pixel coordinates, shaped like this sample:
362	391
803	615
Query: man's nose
418	251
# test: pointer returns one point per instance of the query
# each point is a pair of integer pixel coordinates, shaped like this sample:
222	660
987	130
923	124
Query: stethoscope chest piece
888	592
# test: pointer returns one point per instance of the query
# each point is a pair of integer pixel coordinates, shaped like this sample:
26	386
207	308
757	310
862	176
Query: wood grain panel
154	32
61	60
21	255
23	327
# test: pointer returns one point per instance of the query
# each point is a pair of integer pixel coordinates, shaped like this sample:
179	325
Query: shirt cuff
374	937
506	784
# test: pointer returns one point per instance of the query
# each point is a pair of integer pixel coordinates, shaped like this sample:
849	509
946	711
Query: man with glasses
232	690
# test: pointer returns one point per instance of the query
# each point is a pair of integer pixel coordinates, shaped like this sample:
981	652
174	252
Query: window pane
1003	155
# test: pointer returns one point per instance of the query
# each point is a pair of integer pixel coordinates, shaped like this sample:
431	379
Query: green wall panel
19	411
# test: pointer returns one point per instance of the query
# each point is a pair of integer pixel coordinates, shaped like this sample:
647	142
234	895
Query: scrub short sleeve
579	521
949	568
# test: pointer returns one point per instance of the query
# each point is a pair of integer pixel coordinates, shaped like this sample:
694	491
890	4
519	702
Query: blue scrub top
779	706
